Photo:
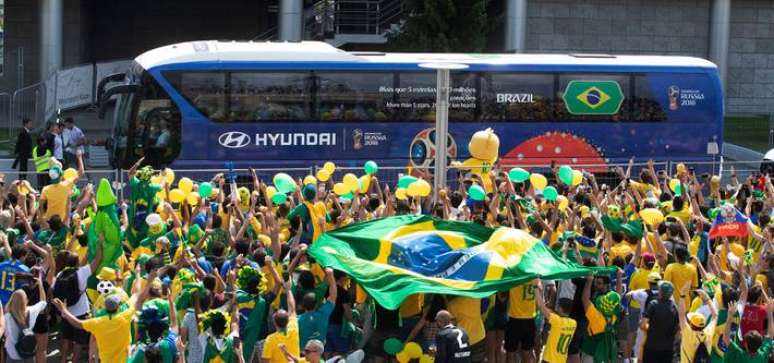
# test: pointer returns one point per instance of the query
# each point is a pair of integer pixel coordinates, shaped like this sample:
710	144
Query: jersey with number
452	345
522	301
559	337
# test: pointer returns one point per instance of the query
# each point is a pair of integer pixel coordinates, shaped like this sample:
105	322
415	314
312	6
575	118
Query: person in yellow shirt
562	328
680	272
521	329
113	331
53	197
695	331
467	310
286	334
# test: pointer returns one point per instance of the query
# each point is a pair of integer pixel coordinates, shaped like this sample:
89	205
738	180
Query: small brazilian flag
395	257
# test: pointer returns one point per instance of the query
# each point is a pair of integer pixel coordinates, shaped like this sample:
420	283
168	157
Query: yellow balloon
413	350
402	357
70	174
425	358
192	198
185	184
341	189
323	175
400	193
310	179
673	184
329	167
350	180
414	189
651	216
681	169
425	187
538	181
577	177
176	195
562	202
162	195
365	183
170	175
270	191
156	179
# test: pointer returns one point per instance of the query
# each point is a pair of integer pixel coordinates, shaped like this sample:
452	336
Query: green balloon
477	193
550	193
678	190
205	189
405	181
347	196
518	175
370	167
279	198
76	193
284	183
565	174
393	346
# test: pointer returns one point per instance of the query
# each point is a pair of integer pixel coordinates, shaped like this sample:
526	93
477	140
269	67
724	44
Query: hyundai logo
234	139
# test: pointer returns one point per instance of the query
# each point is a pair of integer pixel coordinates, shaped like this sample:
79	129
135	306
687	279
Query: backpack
701	355
651	297
26	343
66	287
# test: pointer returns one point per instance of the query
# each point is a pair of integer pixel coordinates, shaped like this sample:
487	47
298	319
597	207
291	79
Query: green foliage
443	26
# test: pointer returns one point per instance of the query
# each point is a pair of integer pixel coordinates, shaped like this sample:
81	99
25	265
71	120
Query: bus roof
220	51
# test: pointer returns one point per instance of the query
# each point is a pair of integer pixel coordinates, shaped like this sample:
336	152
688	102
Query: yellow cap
696	319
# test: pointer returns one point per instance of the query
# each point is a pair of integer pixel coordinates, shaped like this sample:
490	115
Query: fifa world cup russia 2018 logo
674	94
357	139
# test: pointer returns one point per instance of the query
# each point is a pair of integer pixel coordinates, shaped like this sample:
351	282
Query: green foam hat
105	195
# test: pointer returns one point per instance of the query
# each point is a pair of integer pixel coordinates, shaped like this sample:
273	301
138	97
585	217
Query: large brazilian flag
395	257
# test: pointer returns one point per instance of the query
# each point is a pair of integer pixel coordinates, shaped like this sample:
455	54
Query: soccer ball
105	287
422	150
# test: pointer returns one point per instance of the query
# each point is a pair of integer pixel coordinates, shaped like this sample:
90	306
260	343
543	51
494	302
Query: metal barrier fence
28	102
5	117
389	175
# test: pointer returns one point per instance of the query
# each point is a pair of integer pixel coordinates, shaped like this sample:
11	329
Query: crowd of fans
227	277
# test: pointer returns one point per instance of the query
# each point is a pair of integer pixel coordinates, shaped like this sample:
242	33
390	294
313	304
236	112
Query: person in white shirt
21	318
58	142
73	140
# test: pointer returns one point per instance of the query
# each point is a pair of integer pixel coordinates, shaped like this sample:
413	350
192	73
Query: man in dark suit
23	149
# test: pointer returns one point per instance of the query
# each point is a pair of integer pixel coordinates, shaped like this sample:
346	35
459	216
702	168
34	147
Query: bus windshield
147	124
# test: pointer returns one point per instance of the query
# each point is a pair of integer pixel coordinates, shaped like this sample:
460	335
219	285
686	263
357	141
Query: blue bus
267	104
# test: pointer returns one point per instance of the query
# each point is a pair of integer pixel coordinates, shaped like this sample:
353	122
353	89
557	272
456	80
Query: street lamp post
441	121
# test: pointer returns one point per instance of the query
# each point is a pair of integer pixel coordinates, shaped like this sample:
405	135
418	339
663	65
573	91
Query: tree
443	26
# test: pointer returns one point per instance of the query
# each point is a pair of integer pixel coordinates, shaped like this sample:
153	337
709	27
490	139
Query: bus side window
516	97
645	106
269	96
350	96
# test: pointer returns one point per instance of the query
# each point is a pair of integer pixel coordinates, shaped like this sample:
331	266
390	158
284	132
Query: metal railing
389	175
28	102
5	118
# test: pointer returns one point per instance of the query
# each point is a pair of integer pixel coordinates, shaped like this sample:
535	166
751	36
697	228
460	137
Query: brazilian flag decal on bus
395	257
593	97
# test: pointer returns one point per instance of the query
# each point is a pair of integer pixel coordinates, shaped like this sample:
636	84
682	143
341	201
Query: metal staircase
341	22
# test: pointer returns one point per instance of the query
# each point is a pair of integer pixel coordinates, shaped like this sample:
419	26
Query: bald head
443	317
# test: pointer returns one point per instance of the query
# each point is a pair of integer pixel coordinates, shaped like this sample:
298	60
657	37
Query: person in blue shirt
313	323
13	273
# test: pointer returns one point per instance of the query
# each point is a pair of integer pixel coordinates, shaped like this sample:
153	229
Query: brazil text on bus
200	104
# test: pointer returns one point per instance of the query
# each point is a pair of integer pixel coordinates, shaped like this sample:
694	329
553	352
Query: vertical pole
291	20
515	25
50	37
441	130
20	68
720	25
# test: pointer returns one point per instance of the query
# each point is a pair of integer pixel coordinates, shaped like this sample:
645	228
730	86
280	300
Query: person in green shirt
753	348
253	304
161	345
313	323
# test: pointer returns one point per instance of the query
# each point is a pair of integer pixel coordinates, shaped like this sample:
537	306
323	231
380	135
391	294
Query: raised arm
541	304
332	287
586	296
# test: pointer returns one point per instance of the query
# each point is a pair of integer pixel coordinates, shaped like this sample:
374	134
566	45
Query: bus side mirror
115	77
120	89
